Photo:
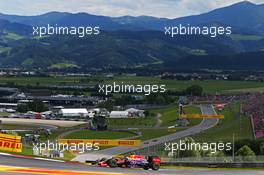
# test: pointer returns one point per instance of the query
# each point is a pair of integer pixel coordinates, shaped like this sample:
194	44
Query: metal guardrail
214	165
224	159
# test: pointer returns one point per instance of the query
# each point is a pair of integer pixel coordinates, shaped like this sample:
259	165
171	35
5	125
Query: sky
157	8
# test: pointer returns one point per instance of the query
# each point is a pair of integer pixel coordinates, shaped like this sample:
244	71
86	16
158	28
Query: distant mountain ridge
51	17
244	15
136	41
14	27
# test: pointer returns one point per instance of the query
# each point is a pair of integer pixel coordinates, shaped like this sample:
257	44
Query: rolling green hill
132	49
110	49
125	46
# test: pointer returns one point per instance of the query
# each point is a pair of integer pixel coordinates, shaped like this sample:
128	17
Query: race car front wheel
112	163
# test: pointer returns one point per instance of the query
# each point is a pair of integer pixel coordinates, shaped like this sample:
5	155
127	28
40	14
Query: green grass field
63	65
233	123
87	134
153	133
4	114
193	110
13	36
209	86
170	114
148	134
17	127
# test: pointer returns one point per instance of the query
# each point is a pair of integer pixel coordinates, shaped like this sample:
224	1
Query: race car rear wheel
155	167
112	163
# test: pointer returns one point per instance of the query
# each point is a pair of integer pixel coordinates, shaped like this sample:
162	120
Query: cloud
159	8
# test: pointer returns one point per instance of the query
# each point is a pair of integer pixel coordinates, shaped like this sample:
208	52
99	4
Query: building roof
119	113
8	104
74	111
134	110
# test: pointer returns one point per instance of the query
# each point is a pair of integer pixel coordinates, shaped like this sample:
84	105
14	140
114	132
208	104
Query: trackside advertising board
10	143
102	142
197	116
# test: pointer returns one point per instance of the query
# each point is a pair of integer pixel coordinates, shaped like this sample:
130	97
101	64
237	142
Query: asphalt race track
68	167
204	125
16	166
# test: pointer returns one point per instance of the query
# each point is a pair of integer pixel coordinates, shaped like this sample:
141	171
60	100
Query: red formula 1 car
132	161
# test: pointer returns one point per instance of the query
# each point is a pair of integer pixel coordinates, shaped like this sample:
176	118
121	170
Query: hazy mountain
84	19
142	22
69	19
6	26
48	18
135	43
244	15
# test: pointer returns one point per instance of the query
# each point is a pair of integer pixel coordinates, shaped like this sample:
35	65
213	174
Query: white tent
76	112
119	114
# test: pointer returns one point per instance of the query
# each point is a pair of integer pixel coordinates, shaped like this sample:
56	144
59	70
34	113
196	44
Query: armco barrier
216	162
214	165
